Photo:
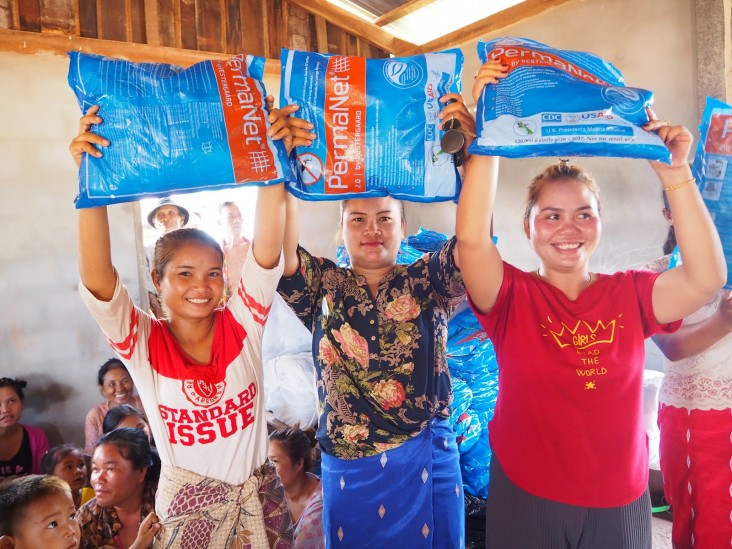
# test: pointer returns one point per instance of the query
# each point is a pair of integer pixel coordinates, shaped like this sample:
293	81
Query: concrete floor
661	533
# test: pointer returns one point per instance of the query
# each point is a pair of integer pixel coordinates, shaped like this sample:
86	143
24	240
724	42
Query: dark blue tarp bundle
472	362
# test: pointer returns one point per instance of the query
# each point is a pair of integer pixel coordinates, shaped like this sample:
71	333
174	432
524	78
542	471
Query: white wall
46	335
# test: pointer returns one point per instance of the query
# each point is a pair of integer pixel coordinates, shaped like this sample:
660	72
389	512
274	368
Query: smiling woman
115	385
197	357
586	331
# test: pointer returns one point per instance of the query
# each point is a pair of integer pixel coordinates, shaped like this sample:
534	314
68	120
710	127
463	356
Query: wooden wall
259	27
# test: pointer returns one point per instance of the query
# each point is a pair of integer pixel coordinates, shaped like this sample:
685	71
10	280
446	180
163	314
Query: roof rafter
355	25
406	8
497	21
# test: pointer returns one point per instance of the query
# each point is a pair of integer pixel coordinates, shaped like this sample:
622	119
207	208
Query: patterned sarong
410	497
200	512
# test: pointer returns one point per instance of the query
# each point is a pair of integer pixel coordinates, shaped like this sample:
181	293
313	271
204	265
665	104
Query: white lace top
703	381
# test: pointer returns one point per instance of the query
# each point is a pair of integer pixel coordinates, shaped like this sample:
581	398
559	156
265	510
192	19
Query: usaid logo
203	393
403	74
551	117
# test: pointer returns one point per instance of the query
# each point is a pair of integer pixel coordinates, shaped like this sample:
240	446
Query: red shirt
568	424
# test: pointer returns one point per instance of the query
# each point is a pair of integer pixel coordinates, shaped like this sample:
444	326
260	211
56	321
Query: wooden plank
164	21
335	34
151	22
112	20
58	16
88	18
6	14
363	29
137	28
299	28
321	34
29	15
35	42
400	11
208	26
274	28
493	23
252	29
187	21
232	23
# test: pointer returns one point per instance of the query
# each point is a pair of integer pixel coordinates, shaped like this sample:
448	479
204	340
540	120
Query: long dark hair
16	385
111	364
296	443
117	414
134	446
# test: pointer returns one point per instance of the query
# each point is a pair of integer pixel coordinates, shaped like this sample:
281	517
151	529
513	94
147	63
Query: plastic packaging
560	103
175	130
712	169
376	125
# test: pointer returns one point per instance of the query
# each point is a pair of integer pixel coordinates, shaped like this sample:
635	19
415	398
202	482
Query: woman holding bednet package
390	464
570	454
198	370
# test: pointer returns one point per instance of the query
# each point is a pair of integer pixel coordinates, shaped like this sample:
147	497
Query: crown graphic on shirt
584	335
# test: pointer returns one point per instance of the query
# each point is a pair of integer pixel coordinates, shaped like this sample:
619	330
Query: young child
66	462
37	511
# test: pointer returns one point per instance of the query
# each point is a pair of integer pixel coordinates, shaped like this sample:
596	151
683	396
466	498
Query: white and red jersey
208	419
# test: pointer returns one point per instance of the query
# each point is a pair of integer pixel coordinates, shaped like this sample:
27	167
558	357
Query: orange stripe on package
174	130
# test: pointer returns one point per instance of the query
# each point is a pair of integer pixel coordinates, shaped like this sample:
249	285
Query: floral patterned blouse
100	525
382	370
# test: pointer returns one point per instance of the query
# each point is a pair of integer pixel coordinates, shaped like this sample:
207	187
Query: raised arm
94	249
454	108
682	290
292	236
480	261
269	220
692	339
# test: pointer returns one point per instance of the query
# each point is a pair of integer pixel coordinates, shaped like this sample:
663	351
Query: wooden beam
35	42
321	34
495	22
406	8
355	25
152	25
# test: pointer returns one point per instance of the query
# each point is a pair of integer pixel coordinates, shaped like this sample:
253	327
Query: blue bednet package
560	103
376	123
175	130
712	170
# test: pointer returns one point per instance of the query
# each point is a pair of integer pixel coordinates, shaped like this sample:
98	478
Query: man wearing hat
167	216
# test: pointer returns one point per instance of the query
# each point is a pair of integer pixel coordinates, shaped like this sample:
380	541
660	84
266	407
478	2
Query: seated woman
21	446
67	462
290	451
117	388
125	472
125	415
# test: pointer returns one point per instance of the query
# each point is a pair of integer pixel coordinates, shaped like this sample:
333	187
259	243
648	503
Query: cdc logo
551	117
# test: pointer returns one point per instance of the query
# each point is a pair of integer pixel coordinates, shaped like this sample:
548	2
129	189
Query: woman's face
115	480
135	422
283	464
49	523
72	469
11	407
372	231
117	387
193	281
564	225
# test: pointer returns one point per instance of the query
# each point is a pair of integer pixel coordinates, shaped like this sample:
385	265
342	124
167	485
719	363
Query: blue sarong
410	497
